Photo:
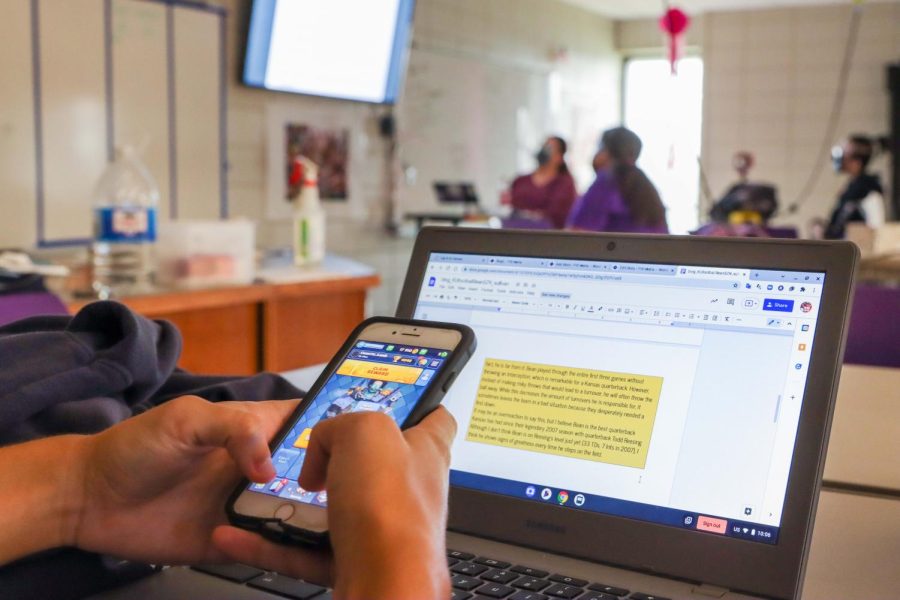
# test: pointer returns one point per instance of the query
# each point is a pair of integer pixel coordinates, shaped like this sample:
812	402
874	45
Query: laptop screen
665	393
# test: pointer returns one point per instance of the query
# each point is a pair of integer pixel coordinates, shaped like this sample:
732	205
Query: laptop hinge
711	591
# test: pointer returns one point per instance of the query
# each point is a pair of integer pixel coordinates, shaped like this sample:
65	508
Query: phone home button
284	512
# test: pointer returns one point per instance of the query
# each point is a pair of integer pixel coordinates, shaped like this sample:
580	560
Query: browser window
667	393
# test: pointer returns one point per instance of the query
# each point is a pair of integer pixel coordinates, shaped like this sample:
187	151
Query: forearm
40	495
398	557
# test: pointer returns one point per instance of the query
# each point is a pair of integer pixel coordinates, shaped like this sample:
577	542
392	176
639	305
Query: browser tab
710	272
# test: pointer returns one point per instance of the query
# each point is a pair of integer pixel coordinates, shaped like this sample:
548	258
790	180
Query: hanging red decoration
674	23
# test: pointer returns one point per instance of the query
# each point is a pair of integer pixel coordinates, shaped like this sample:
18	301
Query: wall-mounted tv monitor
348	49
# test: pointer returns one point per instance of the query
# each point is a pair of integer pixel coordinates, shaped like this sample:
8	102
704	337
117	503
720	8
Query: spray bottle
309	218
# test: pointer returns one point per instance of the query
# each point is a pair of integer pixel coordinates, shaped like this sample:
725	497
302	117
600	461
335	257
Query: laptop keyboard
479	578
472	577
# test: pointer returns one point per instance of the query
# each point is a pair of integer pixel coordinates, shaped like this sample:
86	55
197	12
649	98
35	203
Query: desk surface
855	548
884	269
334	275
864	449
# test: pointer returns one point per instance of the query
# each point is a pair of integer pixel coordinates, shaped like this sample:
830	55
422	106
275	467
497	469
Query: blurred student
862	200
545	195
622	198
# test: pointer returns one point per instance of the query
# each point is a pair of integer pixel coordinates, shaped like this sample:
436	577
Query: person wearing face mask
622	198
546	195
862	199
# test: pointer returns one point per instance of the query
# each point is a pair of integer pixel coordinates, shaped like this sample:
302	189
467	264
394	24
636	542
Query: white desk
305	377
855	549
864	449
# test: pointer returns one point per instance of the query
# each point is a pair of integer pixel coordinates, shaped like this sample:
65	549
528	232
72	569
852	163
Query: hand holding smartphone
401	368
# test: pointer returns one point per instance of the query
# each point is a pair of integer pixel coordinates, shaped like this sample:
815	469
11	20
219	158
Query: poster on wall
327	148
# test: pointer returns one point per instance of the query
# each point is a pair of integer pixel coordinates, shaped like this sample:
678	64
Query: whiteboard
72	112
79	78
199	101
471	120
140	90
18	180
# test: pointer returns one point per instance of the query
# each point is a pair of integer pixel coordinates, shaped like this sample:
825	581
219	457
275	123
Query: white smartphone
399	367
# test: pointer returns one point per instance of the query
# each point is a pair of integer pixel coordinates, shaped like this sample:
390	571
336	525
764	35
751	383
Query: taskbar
709	524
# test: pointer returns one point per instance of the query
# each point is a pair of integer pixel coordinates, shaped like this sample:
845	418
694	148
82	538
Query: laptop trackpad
180	582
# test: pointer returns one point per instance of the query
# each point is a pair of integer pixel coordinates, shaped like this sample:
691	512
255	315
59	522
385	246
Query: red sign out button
710	524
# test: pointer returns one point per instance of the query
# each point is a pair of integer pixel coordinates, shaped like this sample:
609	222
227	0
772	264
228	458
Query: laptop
462	193
646	417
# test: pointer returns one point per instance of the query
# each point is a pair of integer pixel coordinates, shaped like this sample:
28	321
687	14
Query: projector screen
348	49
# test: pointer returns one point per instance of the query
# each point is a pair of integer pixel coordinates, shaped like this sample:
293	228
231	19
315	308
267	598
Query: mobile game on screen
374	377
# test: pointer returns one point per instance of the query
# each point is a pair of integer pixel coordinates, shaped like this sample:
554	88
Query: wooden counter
242	330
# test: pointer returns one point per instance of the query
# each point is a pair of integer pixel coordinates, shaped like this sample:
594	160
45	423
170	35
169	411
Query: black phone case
276	530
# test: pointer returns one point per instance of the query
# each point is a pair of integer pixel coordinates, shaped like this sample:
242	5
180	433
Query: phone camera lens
394	332
611	246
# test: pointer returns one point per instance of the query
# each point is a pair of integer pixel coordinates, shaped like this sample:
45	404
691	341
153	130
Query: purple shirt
553	199
602	208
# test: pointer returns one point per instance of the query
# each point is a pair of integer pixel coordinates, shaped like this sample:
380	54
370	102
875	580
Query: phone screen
373	377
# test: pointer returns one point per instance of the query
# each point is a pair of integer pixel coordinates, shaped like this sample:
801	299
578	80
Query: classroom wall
513	38
145	74
770	81
489	80
560	59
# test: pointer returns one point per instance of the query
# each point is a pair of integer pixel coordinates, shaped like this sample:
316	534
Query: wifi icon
745	530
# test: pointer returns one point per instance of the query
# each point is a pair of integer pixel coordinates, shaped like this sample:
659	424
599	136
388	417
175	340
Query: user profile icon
806	307
546	494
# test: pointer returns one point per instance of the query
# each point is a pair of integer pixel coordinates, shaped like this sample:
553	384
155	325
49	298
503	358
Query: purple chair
874	334
786	233
29	304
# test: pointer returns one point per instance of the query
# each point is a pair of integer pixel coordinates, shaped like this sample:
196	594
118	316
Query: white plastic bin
200	254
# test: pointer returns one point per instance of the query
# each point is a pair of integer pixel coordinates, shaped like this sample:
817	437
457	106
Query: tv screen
348	49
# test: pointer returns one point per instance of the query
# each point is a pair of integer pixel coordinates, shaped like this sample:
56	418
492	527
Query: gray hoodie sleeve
84	373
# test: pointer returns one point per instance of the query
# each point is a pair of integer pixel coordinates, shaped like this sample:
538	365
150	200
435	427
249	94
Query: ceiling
635	9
